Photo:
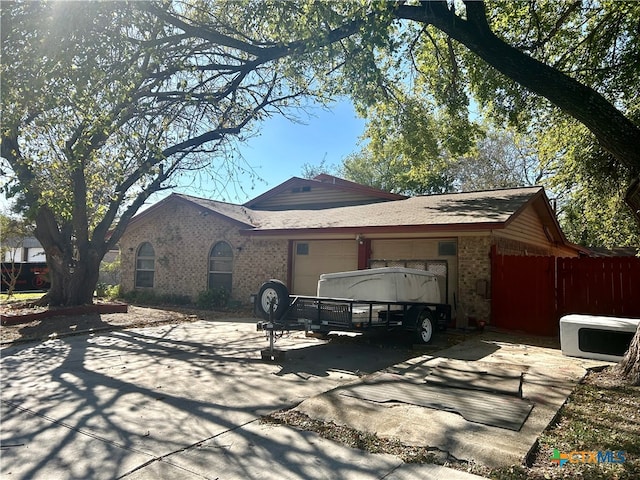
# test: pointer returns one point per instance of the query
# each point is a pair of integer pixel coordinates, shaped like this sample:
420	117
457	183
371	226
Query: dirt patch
136	317
16	316
355	439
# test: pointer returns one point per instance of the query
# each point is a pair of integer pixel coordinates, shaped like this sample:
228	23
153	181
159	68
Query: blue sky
280	150
283	147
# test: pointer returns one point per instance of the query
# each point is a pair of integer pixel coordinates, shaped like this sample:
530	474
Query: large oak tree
106	103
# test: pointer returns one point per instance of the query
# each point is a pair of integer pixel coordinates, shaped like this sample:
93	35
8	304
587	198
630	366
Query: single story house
306	227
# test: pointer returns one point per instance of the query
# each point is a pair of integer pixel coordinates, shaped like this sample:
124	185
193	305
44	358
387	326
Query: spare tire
275	293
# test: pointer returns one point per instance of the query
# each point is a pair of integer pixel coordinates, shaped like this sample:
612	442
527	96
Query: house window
446	249
145	265
221	266
302	249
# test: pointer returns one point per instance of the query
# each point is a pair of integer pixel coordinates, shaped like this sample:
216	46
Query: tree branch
615	132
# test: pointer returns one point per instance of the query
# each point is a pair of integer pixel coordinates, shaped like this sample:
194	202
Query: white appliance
596	337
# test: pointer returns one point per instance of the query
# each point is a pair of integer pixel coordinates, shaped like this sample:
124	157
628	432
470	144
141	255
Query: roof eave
433	228
180	198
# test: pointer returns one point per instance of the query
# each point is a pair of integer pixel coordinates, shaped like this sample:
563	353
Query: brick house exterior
183	235
267	240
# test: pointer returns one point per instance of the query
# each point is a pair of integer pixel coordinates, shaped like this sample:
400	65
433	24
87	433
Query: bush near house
213	298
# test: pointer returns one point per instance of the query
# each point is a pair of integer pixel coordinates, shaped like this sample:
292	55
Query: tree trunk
74	265
629	366
72	282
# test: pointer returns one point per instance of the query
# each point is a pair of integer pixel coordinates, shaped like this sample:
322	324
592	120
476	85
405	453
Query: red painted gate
522	295
532	293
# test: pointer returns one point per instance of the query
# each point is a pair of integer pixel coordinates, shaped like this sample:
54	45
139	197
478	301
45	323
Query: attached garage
313	258
436	255
304	228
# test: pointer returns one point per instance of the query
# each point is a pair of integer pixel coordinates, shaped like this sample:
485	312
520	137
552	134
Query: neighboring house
614	252
303	228
29	250
23	250
23	265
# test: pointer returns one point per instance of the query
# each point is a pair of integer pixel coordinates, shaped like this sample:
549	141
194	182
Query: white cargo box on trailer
387	284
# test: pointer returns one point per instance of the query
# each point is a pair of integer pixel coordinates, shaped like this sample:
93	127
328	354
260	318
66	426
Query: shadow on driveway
106	406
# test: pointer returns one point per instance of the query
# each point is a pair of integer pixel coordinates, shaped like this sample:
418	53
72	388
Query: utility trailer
382	299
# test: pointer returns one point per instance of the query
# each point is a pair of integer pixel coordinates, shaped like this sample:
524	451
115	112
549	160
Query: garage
313	258
436	255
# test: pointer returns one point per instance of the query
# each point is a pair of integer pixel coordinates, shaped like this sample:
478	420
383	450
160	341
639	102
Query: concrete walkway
548	378
184	402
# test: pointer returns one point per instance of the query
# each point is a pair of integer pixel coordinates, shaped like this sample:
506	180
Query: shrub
104	290
149	297
213	298
174	299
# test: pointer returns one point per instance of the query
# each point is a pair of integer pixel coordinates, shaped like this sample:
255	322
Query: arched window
145	265
220	266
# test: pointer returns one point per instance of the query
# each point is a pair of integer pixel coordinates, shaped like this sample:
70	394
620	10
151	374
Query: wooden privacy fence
599	286
532	293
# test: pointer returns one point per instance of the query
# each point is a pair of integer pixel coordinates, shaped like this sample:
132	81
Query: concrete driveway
486	377
181	401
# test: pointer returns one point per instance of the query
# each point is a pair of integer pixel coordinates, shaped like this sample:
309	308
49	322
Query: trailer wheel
424	326
272	292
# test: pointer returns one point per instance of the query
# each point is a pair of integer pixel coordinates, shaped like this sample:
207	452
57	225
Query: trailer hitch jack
271	354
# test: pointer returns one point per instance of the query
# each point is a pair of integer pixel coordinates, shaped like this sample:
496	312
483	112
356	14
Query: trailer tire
424	326
272	291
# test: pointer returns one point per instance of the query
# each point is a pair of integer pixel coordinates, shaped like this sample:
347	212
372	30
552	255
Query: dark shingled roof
235	212
486	207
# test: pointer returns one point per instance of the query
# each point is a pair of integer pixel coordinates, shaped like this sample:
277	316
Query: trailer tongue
389	298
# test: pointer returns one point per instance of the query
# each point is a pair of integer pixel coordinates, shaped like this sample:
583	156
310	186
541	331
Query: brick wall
183	235
474	265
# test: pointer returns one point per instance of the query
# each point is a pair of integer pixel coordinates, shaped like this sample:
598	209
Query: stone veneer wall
182	237
474	264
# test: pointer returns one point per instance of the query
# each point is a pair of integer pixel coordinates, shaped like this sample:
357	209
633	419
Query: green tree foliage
410	148
590	189
488	158
106	103
582	57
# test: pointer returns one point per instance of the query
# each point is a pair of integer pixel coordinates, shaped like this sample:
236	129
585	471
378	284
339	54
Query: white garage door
313	258
420	249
